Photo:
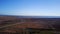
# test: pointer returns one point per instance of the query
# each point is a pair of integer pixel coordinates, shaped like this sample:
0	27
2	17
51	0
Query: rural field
21	25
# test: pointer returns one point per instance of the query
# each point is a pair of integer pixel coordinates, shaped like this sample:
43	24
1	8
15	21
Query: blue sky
30	7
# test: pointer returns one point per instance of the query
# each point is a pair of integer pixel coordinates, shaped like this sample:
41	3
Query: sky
30	7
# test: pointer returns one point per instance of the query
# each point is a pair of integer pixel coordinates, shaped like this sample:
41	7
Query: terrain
19	24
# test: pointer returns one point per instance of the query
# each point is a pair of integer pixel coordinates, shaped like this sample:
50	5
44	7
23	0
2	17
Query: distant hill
20	16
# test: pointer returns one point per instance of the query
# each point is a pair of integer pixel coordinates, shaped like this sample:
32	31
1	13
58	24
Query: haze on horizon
30	7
